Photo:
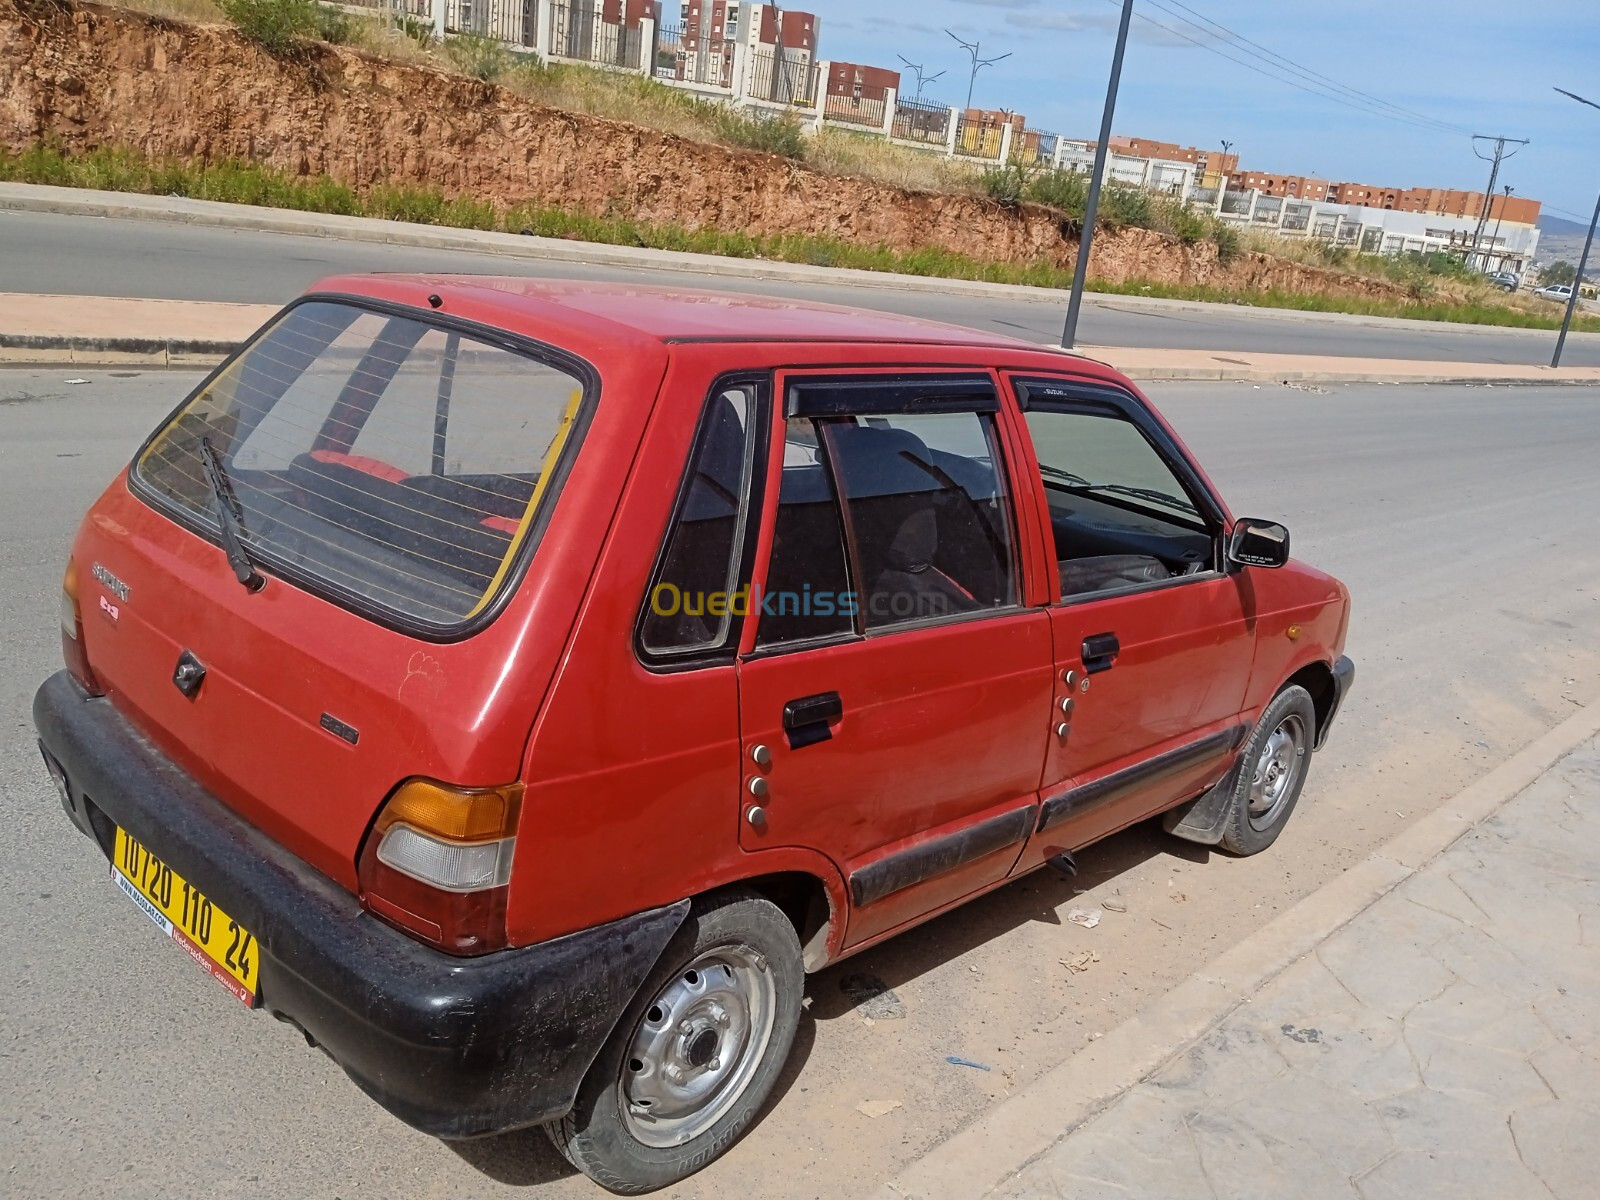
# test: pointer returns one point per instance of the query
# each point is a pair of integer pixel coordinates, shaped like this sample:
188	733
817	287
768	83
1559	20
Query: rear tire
1271	773
694	1058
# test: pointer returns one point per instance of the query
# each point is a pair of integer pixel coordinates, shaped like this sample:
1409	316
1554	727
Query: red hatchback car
519	687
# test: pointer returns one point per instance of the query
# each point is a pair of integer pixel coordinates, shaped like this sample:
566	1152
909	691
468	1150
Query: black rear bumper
457	1047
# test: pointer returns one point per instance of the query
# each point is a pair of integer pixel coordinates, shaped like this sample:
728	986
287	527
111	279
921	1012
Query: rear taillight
72	647
438	863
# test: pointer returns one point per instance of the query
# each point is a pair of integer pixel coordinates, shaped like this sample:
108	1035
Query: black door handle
807	721
1100	652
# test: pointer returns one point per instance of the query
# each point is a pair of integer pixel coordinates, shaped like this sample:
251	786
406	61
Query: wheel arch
1317	679
810	904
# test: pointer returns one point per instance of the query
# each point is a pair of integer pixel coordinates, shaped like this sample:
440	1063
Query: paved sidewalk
118	330
1444	1043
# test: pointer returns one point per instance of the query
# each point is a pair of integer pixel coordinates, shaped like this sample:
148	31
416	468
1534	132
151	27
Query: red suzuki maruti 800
519	687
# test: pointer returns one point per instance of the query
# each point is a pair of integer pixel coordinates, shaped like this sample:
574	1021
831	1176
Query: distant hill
1560	238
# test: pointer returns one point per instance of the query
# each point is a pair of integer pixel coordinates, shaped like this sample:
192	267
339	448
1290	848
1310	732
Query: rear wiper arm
230	518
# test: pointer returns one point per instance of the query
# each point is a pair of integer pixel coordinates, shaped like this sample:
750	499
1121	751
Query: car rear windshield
396	465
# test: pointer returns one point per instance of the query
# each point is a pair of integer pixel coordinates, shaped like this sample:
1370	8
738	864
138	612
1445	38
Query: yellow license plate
207	934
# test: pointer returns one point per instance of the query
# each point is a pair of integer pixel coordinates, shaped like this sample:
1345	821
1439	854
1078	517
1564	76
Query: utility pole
923	79
1080	271
978	64
1500	154
1507	189
1222	174
1583	263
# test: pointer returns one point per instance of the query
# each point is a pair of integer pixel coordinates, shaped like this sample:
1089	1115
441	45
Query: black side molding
1130	779
899	871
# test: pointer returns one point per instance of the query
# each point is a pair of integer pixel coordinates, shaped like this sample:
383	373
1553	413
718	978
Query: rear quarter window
400	466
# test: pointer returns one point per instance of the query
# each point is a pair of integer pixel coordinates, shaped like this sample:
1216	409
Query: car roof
666	314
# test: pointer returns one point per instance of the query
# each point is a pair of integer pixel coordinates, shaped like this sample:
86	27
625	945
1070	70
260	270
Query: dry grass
200	12
840	152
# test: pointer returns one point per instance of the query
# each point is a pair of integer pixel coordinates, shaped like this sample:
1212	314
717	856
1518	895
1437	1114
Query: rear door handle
1100	652
809	719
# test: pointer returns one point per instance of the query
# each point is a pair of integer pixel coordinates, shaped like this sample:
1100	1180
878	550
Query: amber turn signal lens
457	814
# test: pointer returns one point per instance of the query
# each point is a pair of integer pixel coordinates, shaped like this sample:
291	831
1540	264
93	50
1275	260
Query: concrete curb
997	1145
130	206
27	350
18	350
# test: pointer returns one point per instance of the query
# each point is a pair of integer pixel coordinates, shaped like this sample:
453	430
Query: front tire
1271	773
689	1066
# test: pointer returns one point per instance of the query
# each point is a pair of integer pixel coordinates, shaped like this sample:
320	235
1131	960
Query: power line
1301	69
1429	123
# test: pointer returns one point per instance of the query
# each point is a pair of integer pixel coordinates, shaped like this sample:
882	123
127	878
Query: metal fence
1268	210
579	34
916	121
1203	197
979	139
783	77
852	111
1035	146
415	9
1236	204
511	21
1296	217
703	59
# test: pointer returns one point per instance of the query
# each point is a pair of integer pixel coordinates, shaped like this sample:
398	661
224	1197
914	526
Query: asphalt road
91	256
1462	519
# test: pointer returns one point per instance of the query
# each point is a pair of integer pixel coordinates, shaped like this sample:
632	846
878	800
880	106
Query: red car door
894	693
1152	639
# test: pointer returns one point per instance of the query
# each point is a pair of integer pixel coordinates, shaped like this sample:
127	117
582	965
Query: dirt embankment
87	76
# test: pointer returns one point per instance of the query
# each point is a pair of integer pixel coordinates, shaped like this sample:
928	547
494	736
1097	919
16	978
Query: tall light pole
1222	174
1080	271
1583	263
978	64
923	78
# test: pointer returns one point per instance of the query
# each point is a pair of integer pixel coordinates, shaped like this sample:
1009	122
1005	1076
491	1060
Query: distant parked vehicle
1556	291
1507	281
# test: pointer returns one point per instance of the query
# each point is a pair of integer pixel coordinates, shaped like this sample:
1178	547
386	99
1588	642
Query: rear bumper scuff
456	1047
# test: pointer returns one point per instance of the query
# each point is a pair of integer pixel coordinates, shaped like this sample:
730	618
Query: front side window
1120	516
397	465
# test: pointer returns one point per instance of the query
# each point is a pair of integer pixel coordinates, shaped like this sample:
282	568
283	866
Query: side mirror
1256	543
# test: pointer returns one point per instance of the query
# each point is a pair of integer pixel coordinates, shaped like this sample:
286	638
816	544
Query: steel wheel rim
1277	770
697	1046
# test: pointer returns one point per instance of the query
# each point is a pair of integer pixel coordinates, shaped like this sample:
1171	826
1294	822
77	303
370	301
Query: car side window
1120	516
927	514
808	594
692	604
885	519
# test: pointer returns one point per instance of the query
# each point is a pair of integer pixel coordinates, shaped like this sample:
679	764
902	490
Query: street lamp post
1583	263
1080	271
1577	287
973	49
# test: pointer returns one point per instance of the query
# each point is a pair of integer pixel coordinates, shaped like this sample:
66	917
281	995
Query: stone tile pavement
1445	1042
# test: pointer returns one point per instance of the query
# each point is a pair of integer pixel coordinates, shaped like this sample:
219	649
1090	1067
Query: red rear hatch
387	476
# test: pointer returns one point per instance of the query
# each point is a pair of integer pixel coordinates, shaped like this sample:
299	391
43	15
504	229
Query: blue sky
1485	66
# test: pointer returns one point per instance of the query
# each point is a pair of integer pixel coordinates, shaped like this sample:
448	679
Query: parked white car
1556	291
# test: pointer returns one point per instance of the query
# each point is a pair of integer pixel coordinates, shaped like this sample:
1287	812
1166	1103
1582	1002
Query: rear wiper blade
230	518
